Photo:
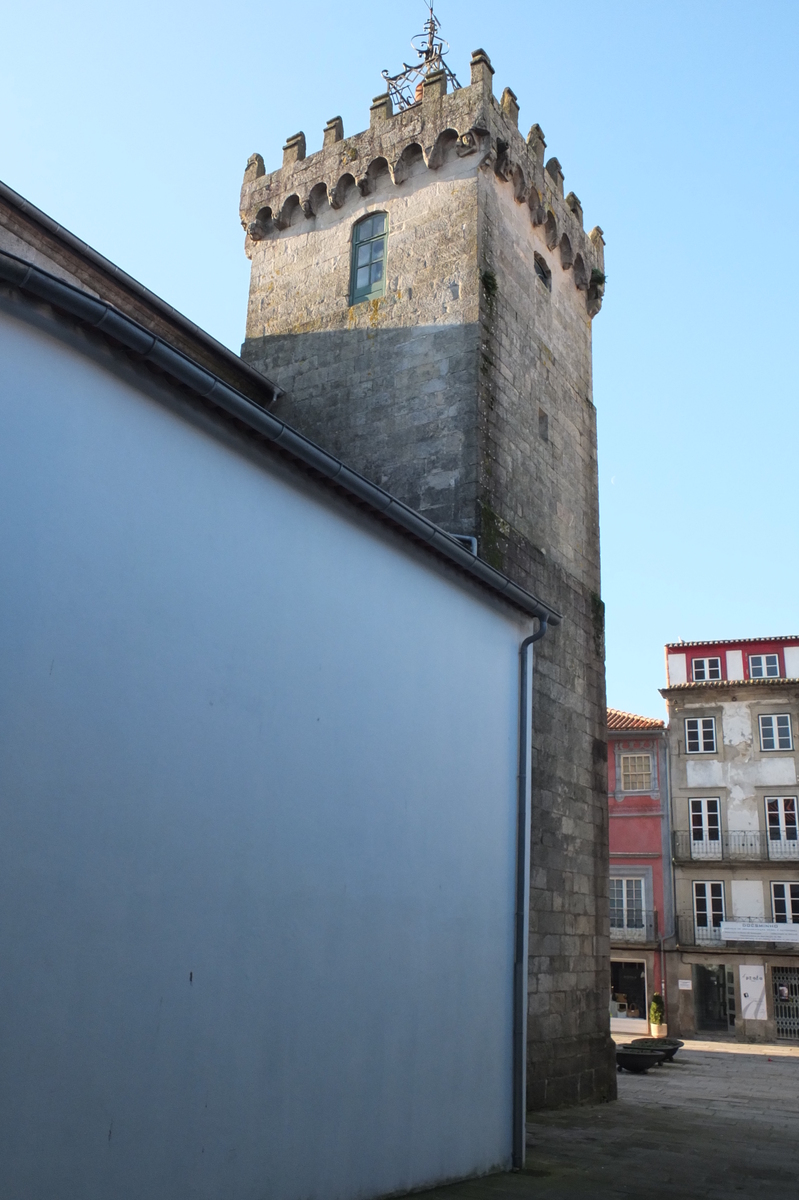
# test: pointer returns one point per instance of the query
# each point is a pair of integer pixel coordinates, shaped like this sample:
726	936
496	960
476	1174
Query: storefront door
628	1008
786	1001
710	992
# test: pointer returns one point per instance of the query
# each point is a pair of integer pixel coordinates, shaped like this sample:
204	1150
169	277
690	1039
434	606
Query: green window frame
369	247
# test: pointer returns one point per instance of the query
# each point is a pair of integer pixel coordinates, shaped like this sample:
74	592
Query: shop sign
753	993
759	931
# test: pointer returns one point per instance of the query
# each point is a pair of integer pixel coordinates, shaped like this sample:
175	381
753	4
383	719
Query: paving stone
721	1120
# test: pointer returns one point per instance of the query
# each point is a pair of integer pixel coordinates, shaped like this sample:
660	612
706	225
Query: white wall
257	805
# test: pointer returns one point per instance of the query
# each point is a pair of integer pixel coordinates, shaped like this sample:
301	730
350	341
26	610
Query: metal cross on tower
405	87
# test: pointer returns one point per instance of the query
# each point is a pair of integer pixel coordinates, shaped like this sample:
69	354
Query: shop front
628	998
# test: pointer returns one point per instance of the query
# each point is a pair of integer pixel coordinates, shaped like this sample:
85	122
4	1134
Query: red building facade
641	905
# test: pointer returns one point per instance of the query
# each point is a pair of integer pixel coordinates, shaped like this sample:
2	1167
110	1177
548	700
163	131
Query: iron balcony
640	926
692	934
737	846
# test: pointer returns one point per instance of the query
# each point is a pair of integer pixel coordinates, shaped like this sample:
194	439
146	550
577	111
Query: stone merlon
473	119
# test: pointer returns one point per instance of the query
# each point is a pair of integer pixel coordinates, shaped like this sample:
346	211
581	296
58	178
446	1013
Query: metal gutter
84	251
522	922
159	354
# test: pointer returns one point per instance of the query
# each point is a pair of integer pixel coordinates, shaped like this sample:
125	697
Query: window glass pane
364	254
714	668
692	735
378	223
756	666
364	230
766	733
635	904
708	734
697	822
699	669
617	903
362	278
784	732
772	666
377	272
713	822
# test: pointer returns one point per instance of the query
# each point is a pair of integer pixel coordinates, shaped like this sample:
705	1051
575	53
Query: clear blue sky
676	125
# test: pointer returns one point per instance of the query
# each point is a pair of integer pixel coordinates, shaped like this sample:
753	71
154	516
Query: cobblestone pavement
721	1121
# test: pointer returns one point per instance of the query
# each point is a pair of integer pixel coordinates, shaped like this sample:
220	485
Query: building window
700	735
636	772
626	904
775	732
785	903
764	666
542	271
368	277
708	908
706	668
705	828
781	820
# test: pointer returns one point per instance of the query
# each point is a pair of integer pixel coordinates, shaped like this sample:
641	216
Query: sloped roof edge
790	637
84	251
620	720
159	354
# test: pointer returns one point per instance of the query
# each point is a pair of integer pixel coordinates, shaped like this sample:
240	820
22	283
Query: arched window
542	271
369	243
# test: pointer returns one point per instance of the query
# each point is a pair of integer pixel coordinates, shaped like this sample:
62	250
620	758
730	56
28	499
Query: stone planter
667	1046
638	1059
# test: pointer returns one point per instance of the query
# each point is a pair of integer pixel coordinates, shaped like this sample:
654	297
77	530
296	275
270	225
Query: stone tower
454	369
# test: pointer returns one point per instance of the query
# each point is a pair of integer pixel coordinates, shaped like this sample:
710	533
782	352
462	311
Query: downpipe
522	921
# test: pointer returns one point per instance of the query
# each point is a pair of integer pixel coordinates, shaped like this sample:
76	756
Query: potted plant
657	1013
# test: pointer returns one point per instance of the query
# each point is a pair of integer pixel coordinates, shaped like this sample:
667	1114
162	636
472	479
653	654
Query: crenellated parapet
467	124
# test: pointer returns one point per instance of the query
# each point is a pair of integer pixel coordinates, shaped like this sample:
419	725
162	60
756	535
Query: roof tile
624	720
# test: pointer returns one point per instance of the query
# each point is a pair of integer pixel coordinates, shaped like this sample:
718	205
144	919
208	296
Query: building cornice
715	685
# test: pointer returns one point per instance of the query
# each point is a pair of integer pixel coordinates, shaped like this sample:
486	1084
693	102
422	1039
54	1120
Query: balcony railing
638	926
736	846
692	935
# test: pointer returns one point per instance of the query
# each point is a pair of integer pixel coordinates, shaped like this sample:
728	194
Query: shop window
628	990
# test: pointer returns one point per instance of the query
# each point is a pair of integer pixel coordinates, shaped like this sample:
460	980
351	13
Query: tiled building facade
641	914
733	714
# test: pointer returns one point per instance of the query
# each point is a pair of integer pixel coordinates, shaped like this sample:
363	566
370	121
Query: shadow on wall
398	405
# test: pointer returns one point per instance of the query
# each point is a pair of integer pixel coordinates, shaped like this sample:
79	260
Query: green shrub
657	1010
